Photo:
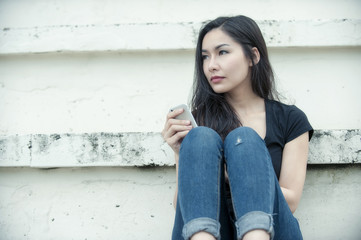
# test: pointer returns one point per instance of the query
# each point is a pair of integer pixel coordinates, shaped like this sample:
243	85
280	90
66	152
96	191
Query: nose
213	65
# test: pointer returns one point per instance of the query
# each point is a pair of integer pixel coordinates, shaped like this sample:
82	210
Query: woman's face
224	63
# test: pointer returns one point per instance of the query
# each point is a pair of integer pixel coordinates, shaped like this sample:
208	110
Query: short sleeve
297	124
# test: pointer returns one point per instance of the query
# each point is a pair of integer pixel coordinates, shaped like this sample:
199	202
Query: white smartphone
186	115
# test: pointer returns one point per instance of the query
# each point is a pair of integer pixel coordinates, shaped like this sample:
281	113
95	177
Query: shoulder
282	111
292	120
281	107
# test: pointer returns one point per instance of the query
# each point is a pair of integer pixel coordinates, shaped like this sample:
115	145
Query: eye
222	52
204	57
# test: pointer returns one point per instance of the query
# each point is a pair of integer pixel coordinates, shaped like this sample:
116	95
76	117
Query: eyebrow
217	47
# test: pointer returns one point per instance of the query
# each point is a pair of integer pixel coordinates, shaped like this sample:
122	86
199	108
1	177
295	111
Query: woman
241	174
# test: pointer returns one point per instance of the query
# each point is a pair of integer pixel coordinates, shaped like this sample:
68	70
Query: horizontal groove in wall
144	149
171	36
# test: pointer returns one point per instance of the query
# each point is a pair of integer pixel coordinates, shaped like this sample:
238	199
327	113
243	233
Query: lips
216	79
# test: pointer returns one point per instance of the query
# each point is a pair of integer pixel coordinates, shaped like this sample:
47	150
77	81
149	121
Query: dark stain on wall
137	149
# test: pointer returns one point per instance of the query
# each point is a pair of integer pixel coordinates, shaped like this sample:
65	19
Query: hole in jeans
238	141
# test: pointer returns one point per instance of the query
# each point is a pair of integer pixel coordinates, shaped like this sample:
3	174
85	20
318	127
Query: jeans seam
219	186
230	189
233	205
269	173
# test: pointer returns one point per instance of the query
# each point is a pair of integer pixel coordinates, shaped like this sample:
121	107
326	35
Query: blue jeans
257	200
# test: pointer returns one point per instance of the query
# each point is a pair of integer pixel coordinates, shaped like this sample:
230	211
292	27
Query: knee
241	135
202	135
201	138
200	141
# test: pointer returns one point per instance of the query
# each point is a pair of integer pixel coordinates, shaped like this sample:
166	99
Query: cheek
205	71
238	68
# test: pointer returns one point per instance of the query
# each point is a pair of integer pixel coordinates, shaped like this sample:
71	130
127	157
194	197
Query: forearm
291	198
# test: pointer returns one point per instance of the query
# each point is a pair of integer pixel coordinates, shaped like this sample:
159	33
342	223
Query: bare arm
293	170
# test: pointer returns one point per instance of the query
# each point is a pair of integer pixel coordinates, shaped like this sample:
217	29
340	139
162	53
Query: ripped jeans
258	202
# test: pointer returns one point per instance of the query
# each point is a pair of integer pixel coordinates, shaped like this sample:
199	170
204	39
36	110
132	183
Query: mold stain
136	149
320	134
93	140
43	143
55	137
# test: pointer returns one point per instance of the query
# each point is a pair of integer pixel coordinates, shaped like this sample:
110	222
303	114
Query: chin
219	90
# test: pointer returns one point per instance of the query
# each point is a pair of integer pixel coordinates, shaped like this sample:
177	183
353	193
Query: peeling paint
332	146
175	36
119	149
145	149
55	136
15	150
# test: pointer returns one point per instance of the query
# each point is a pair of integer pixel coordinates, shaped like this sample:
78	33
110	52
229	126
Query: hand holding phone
185	115
175	128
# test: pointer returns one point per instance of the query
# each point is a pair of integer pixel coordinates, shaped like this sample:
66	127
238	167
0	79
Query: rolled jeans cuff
254	220
201	225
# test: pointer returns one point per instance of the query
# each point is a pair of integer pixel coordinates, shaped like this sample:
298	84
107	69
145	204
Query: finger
174	113
175	122
182	134
176	138
174	129
171	115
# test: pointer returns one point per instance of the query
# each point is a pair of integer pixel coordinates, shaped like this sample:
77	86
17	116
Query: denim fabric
258	202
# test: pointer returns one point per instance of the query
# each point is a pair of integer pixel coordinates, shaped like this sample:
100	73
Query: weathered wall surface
136	203
87	84
144	149
86	203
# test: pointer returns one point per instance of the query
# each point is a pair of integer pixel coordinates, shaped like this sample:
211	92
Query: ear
256	56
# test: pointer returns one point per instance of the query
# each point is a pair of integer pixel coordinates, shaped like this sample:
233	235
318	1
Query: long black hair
211	109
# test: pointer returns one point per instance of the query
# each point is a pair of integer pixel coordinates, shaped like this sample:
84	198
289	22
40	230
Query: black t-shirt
283	124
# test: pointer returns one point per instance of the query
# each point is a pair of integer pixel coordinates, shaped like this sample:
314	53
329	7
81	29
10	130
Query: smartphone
186	115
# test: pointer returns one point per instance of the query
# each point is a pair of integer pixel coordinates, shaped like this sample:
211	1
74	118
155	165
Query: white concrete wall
136	203
120	92
88	83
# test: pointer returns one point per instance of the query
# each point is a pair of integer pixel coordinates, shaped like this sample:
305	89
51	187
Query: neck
244	101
